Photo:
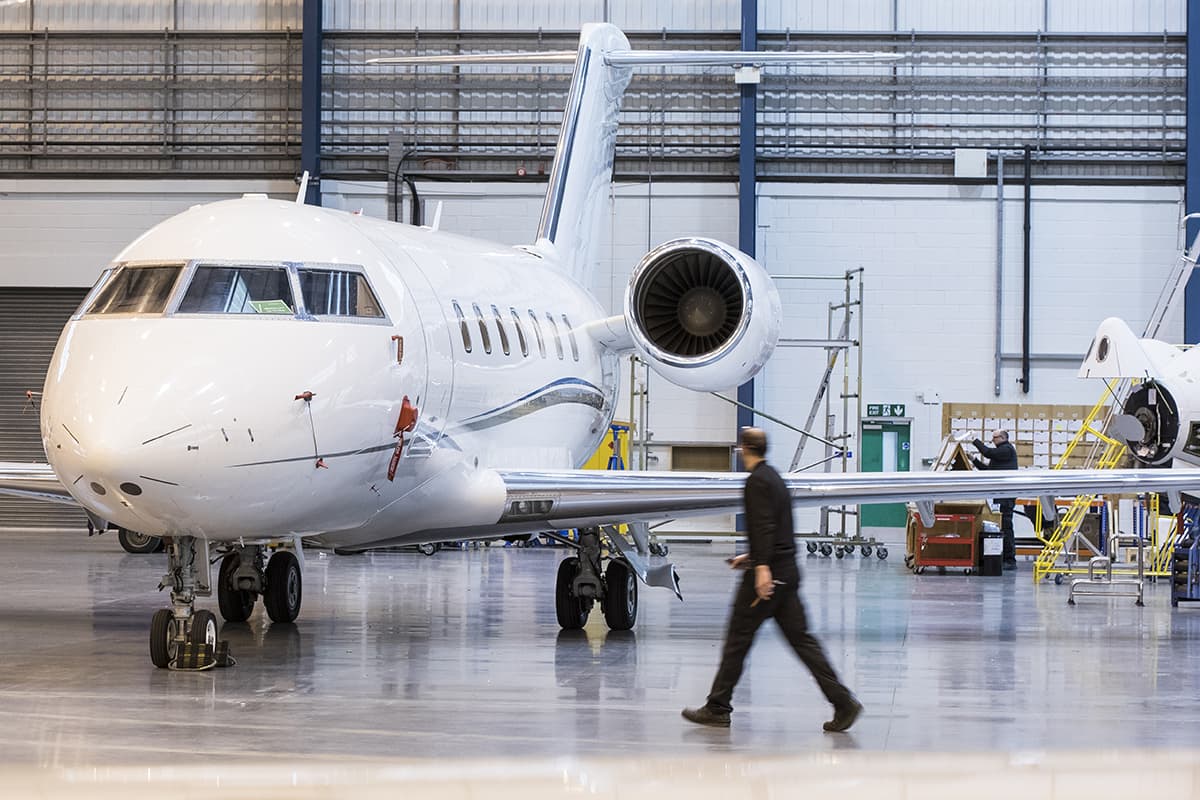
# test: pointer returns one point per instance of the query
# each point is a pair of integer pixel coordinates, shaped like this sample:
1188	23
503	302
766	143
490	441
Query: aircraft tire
204	629
620	603
236	604
285	587
134	542
572	611
162	638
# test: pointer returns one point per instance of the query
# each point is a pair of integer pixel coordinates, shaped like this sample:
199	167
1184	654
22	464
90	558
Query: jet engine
702	314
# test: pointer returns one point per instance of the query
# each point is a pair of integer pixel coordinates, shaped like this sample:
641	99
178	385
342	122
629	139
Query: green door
885	448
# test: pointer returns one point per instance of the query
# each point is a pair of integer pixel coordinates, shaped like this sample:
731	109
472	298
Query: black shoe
844	717
1010	565
706	716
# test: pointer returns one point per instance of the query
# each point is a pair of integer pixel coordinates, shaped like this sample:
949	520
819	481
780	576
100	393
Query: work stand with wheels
842	547
1100	581
611	579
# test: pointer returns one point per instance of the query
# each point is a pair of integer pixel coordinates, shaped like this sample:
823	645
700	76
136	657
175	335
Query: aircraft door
425	347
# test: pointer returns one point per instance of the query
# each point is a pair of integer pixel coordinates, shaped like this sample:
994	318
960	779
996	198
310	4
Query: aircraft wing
582	498
32	480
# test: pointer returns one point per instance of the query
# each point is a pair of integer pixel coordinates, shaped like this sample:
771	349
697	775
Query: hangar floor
400	656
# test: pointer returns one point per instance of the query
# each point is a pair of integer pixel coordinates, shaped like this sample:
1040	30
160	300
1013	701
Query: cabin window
500	329
136	290
338	293
463	327
238	290
524	344
483	331
537	332
571	337
557	339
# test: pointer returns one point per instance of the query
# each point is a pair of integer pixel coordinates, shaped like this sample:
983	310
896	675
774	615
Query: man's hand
764	584
739	562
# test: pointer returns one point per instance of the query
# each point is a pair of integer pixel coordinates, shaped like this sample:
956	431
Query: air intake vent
690	303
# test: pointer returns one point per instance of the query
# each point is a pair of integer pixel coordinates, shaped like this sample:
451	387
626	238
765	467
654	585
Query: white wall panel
387	15
929	254
824	15
1117	16
153	15
695	15
956	15
237	15
72	15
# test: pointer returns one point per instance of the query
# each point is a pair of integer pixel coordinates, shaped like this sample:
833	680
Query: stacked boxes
1041	433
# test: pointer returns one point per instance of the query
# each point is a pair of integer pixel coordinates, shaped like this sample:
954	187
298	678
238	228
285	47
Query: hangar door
30	321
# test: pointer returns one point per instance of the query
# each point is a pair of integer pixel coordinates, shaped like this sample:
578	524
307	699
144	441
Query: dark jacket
1002	456
769	519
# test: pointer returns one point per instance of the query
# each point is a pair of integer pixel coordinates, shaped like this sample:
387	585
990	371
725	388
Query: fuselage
251	386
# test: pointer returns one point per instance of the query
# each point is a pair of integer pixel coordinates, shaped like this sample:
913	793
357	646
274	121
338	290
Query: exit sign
885	409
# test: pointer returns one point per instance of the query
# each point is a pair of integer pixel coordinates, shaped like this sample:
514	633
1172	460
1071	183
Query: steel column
1191	196
310	104
747	178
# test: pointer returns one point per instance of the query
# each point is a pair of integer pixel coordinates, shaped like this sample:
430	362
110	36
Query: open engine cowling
1158	414
703	314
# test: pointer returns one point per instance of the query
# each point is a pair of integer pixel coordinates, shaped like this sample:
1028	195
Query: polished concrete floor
398	656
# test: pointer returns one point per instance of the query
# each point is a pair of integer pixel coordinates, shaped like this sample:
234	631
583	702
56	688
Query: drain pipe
1025	293
999	265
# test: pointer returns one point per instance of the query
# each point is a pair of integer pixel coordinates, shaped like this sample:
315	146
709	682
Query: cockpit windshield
136	290
337	293
238	290
301	291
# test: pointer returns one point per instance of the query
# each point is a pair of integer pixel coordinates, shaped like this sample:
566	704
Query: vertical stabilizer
578	196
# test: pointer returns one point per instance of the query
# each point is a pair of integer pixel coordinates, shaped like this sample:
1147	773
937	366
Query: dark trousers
1006	511
744	622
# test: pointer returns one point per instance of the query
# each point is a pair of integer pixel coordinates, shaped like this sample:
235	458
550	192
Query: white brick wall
929	254
62	233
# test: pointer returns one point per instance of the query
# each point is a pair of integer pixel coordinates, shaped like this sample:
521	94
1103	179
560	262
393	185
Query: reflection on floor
402	656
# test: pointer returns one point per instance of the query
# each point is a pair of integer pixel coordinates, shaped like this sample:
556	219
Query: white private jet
251	372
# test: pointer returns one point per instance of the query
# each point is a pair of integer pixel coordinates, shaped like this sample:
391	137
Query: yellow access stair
1110	453
1107	454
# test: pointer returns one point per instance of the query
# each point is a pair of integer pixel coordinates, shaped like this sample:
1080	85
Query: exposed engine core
1158	414
703	314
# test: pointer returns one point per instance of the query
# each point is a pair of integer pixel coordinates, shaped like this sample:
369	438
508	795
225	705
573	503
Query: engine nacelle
702	314
1168	430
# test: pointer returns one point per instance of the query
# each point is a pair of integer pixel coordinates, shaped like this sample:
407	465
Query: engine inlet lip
659	259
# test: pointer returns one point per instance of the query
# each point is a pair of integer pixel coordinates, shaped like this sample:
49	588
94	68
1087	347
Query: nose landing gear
182	637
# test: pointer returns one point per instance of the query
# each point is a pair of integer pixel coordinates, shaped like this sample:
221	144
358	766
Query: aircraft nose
105	452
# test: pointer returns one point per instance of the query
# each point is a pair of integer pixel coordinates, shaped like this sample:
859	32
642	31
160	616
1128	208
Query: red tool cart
951	542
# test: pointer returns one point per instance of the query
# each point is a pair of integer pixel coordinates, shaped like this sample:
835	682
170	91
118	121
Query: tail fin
577	197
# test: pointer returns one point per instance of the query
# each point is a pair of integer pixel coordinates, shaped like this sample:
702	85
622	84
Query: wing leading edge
583	498
33	480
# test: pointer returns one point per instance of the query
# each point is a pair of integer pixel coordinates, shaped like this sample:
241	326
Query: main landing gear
581	583
245	574
134	542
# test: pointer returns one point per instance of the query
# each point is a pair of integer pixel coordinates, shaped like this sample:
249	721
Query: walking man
769	588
